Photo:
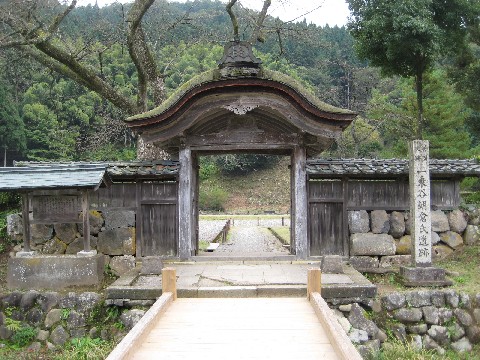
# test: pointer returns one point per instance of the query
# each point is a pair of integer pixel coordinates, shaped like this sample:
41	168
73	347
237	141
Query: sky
331	12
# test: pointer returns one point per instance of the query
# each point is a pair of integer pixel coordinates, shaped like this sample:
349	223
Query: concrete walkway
250	241
242	279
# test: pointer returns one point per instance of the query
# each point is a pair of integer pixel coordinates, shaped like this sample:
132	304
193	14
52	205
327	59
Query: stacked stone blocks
112	233
381	240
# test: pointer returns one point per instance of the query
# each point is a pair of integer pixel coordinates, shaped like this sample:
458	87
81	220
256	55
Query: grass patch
253	192
85	349
396	350
282	233
387	282
464	261
203	245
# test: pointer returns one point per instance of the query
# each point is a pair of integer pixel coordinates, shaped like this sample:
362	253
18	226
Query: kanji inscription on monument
56	208
420	202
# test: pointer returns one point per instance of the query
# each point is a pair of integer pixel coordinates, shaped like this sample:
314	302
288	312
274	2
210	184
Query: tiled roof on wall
359	167
119	169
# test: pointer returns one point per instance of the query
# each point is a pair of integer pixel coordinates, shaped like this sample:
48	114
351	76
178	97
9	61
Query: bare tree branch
59	18
304	14
256	36
66	64
142	56
233	18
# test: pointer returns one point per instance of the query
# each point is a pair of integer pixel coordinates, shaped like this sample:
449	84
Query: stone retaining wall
381	240
60	317
112	233
429	319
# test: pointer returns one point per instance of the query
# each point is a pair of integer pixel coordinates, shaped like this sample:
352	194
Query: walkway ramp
249	328
237	328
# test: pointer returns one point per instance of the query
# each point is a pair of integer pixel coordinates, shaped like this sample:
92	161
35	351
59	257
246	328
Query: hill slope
254	192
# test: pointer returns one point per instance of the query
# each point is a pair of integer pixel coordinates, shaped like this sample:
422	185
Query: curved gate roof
241	89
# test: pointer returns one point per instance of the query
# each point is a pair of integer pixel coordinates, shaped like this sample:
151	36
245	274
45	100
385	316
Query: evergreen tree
445	115
12	130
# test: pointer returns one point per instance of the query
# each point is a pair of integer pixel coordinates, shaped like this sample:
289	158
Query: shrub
24	336
245	163
212	199
208	168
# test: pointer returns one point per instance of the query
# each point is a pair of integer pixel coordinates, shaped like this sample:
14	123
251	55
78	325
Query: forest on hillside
45	115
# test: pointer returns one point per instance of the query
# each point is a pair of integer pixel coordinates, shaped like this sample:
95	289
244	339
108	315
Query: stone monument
421	273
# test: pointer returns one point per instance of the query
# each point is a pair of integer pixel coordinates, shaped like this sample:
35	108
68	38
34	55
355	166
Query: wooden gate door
326	218
158	219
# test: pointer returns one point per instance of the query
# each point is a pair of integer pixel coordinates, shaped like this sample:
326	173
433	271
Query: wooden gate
326	218
157	217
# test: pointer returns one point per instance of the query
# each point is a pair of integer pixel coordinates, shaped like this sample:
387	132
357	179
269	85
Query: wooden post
26	222
314	282
185	203
169	281
138	219
86	221
300	202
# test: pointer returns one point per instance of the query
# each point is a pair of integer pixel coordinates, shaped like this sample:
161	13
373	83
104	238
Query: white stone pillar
419	174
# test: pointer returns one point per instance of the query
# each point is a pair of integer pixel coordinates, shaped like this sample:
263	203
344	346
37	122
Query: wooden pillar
300	203
138	219
185	203
169	281
26	222
314	282
86	221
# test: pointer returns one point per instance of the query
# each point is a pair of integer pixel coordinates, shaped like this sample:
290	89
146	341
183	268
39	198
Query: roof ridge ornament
239	61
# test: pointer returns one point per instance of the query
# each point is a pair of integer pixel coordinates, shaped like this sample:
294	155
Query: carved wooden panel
63	208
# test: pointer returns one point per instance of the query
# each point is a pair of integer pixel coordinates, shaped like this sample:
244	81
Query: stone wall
429	319
112	233
381	240
58	318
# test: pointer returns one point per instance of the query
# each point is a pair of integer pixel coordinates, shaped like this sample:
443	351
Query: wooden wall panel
159	230
326	229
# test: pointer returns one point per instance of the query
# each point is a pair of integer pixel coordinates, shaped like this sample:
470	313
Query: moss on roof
303	91
213	75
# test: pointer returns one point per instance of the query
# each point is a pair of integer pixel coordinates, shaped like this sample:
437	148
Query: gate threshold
243	278
245	259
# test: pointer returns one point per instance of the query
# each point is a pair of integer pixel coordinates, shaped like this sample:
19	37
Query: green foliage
13	325
12	129
23	336
110	152
208	168
109	272
212	198
237	164
9	201
203	245
406	37
445	114
471	198
119	325
66	313
112	313
85	349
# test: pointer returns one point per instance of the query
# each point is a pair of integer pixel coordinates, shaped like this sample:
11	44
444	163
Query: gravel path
250	241
209	229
